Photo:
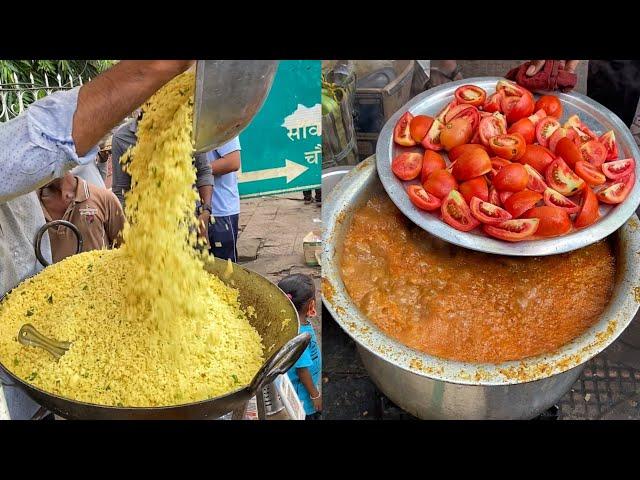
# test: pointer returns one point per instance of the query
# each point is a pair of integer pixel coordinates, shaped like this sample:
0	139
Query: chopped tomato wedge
583	133
562	179
513	230
510	146
619	168
569	152
589	209
493	103
455	133
514	109
423	199
538	157
545	128
488	213
618	191
504	196
589	173
594	152
556	199
492	126
407	166
402	131
536	117
443	113
476	187
431	141
536	181
522	201
471	94
508	88
554	221
469	112
511	178
431	161
440	183
456	212
471	164
494	197
557	135
419	126
551	105
455	152
609	142
526	128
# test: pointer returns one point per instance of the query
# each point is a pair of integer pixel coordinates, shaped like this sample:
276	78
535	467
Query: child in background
305	374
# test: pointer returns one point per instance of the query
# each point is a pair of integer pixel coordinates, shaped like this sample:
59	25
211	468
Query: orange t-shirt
98	215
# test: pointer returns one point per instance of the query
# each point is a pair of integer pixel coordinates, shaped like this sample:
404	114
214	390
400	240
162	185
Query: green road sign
282	147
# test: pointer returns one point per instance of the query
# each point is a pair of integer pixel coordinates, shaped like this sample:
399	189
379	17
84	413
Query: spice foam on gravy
464	305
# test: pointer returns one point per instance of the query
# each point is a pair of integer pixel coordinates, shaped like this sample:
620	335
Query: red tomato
617	192
589	209
568	151
407	166
513	230
493	103
488	213
536	117
583	133
545	128
419	126
455	133
440	183
520	202
619	168
456	212
443	113
511	178
589	173
514	110
455	152
551	105
554	221
476	138
536	181
504	196
556	199
471	164
562	179
594	152
510	146
422	199
526	128
431	141
494	197
402	131
476	187
492	126
538	157
557	135
431	161
470	94
469	112
609	142
497	163
508	88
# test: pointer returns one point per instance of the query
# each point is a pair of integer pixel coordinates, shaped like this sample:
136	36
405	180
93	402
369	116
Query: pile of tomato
515	169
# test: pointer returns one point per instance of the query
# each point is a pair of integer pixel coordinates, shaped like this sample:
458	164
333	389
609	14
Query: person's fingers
535	67
571	66
561	64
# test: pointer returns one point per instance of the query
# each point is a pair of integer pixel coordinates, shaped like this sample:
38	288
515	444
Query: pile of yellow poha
148	326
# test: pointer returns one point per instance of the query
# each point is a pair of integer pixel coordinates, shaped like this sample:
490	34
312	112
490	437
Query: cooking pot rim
624	304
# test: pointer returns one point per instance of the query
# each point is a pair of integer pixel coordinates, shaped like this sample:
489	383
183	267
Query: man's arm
204	182
305	378
227	164
120	180
61	130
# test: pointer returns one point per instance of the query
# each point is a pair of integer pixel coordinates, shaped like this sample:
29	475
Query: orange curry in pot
464	305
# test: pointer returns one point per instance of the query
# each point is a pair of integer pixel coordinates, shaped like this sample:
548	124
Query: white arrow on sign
291	170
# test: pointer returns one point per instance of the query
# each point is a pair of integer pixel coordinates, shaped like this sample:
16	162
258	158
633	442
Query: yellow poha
148	326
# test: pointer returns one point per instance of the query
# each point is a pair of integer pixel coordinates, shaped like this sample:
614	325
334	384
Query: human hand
203	225
443	71
317	402
536	65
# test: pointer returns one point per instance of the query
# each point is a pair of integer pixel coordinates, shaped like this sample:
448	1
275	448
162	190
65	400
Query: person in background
90	172
225	201
104	158
125	137
305	374
309	200
54	135
95	211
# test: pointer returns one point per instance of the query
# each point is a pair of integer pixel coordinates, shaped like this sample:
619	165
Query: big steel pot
434	388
